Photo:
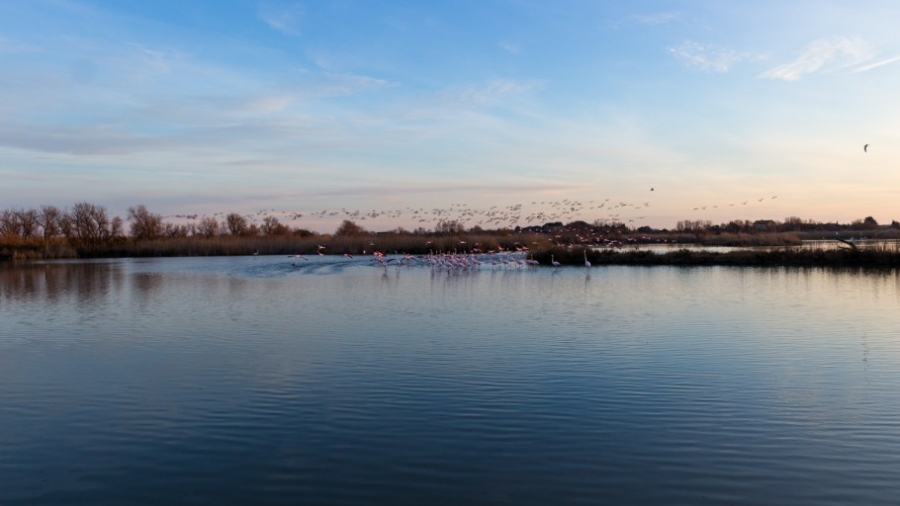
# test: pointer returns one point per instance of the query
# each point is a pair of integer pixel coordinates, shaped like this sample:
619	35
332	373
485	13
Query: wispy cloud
822	55
491	92
875	65
439	187
348	82
707	57
510	48
284	17
658	18
269	104
158	60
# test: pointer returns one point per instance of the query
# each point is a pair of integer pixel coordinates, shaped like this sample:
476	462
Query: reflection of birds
866	148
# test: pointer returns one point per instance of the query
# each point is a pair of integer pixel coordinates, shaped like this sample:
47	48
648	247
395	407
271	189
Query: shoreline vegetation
88	232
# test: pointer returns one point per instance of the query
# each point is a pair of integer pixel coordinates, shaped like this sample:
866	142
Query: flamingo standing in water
586	262
553	262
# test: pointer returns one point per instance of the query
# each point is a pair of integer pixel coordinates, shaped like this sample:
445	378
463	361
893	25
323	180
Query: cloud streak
707	57
282	17
658	18
875	65
822	55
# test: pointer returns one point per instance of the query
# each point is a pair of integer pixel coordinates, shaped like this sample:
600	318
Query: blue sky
199	107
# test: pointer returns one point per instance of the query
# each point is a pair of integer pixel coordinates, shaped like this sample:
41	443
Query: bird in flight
866	148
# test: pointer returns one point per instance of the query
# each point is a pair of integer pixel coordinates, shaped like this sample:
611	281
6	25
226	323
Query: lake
274	380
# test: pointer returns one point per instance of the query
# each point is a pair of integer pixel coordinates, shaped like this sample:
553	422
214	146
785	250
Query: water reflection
246	378
53	281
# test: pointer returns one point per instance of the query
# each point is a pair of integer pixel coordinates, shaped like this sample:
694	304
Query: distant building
765	226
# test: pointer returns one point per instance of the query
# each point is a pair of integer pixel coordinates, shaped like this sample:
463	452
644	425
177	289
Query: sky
516	111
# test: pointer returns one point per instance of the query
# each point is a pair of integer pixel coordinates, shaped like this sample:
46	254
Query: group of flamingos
501	259
495	259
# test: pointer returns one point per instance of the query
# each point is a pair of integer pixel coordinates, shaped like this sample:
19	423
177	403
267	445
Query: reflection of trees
88	282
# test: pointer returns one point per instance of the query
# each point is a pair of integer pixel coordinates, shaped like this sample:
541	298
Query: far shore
772	250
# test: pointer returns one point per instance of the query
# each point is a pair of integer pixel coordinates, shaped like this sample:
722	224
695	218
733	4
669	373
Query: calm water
255	381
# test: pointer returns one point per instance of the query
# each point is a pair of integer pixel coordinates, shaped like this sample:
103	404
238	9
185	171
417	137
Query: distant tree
792	224
9	224
190	229
89	226
49	219
578	225
236	224
144	224
869	223
29	223
116	228
271	226
172	230
349	228
302	232
449	227
208	227
895	224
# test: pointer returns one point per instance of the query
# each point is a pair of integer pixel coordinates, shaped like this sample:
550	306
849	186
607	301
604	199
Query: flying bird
866	148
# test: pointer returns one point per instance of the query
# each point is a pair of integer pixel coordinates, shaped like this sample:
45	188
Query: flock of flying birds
603	211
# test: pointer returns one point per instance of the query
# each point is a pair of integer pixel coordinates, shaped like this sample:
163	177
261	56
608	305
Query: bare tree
271	226
90	226
144	224
49	218
236	224
208	227
348	228
29	224
449	227
173	230
9	224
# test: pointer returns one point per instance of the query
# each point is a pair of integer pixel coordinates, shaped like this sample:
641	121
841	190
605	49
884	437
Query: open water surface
271	380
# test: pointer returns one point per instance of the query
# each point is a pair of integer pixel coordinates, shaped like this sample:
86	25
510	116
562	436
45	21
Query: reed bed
885	257
784	249
36	249
283	245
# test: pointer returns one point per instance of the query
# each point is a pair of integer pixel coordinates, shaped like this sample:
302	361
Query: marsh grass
35	249
887	256
363	244
783	248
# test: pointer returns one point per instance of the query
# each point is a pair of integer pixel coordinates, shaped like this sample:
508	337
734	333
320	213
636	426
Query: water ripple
262	380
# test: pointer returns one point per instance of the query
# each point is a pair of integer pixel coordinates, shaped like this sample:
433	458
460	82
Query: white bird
553	262
586	262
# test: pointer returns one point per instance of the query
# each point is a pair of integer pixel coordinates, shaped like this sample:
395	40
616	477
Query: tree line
790	224
90	227
86	225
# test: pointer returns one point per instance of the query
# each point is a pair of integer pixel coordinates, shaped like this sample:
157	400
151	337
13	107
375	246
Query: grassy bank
36	250
567	249
888	257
